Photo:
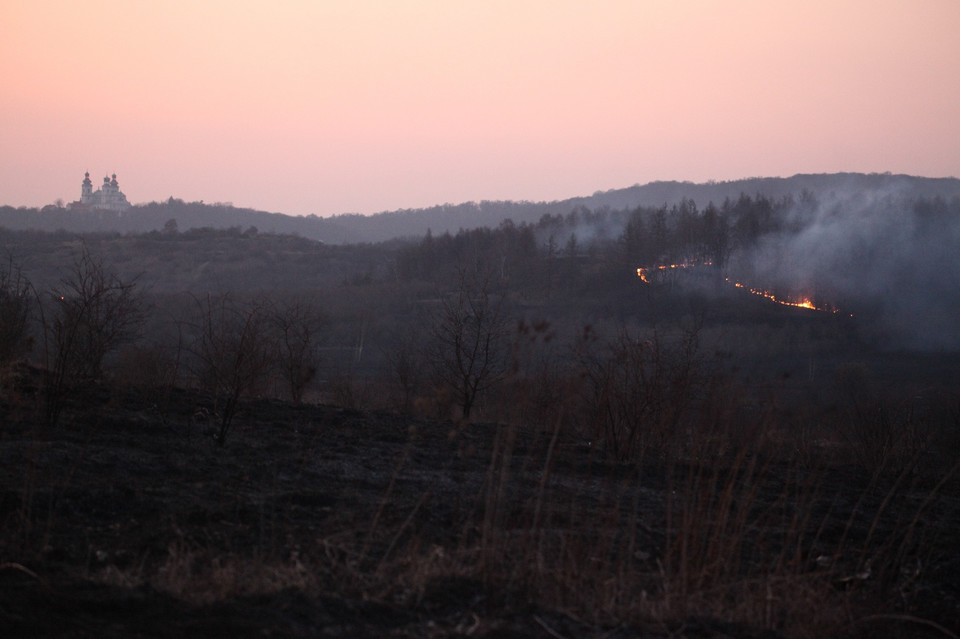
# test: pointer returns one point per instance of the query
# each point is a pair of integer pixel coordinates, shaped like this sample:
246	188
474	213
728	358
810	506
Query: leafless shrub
297	325
347	389
147	366
16	305
467	347
230	349
406	364
639	390
539	387
91	313
885	433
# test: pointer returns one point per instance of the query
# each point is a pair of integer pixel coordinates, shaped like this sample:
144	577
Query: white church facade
108	197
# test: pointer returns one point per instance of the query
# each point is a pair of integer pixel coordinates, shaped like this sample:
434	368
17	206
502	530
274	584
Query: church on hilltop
108	197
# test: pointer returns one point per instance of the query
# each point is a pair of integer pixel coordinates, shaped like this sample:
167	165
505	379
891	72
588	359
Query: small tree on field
406	365
91	313
231	353
16	304
637	391
468	341
297	326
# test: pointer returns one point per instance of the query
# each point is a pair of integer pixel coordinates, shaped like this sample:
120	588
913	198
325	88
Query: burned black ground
129	520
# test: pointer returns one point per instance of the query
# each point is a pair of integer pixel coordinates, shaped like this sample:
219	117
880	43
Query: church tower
108	197
86	189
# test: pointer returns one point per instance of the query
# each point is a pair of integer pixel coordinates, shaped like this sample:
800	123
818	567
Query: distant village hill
108	197
107	210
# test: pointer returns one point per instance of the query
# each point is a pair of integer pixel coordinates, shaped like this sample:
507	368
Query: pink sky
335	106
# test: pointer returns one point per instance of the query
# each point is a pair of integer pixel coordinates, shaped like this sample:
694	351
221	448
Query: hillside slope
354	228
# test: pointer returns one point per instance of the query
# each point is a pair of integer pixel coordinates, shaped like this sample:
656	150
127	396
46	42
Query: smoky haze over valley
755	360
880	251
880	245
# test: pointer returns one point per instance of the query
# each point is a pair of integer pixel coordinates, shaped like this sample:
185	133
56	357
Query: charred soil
130	520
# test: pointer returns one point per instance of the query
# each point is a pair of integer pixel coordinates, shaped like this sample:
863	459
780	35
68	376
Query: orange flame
645	273
642	273
804	302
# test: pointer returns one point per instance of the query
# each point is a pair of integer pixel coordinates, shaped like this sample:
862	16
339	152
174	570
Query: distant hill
840	184
353	228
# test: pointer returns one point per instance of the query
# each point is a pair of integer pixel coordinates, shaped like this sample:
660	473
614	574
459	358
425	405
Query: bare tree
231	353
297	325
92	313
637	391
468	340
16	304
405	363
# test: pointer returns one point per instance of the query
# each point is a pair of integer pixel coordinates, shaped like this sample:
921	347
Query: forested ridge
451	217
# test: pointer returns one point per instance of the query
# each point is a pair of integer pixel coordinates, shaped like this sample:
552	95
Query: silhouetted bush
89	315
230	353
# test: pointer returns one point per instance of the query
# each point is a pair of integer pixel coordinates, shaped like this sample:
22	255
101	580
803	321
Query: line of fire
648	274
